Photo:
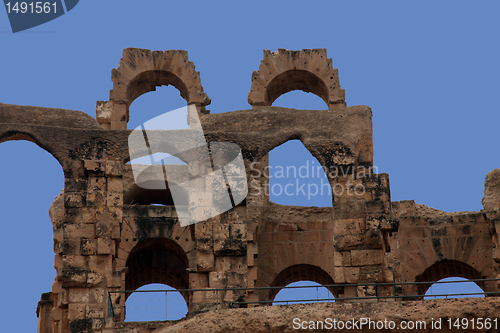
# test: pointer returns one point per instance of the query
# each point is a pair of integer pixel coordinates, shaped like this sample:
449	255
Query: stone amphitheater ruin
109	237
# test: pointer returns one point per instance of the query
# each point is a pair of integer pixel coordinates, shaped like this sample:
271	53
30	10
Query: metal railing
395	295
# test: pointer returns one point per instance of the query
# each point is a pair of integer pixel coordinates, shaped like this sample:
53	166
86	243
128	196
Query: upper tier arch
308	70
141	71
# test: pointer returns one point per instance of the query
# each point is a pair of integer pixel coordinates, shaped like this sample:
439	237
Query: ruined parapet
431	245
491	199
491	204
307	70
44	313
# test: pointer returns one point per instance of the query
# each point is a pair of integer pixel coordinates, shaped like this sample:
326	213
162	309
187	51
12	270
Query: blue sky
428	70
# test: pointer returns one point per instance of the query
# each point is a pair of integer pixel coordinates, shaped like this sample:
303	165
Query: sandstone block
491	199
89	215
337	259
250	255
79	230
73	278
107	225
204	262
116	279
348	242
105	245
72	261
348	226
70	247
230	247
78	295
94	278
74	200
100	262
217	279
236	280
76	311
96	183
371	274
89	246
342	258
221	231
98	323
96	198
114	199
114	168
339	276
351	274
204	245
114	184
96	311
98	295
238	230
56	287
198	280
95	166
366	257
252	273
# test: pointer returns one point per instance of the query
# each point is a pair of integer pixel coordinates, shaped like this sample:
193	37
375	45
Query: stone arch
301	272
299	100
292	167
157	260
257	178
141	71
282	245
32	176
455	240
309	70
152	189
275	142
153	222
25	136
444	269
331	154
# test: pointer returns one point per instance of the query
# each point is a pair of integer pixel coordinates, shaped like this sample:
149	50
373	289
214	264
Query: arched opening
157	159
144	196
448	269
305	274
166	110
30	180
296	79
296	177
148	81
154	102
301	292
160	261
153	303
300	100
455	287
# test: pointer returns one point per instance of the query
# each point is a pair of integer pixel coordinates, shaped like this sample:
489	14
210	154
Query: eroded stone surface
279	319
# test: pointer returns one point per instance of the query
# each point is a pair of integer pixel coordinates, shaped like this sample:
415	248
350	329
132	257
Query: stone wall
431	245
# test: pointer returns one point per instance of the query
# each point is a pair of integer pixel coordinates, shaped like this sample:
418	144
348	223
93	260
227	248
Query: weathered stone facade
108	236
